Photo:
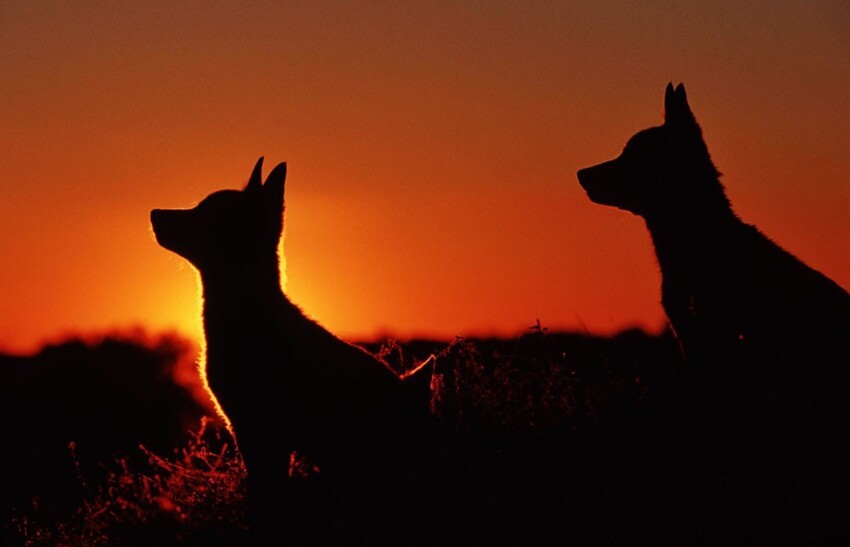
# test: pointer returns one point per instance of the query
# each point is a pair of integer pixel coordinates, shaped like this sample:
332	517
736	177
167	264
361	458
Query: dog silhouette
290	388
765	336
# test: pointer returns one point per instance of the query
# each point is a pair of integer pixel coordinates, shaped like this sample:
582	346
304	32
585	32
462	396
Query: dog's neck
683	237
242	296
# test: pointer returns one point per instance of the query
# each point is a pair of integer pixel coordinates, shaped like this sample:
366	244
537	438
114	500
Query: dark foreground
554	438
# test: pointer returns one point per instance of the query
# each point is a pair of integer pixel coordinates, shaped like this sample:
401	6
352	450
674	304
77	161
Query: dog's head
660	167
228	227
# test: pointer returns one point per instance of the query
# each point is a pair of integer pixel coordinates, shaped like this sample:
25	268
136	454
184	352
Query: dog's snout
165	217
165	224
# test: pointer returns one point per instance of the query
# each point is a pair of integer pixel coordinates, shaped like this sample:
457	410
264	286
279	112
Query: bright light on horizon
452	143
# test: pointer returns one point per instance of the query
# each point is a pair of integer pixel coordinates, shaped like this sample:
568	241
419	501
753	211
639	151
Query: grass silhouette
194	495
532	400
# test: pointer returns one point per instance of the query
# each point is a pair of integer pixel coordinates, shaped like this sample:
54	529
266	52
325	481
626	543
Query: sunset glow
432	152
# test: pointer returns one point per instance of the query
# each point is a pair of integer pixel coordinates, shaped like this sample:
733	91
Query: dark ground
98	443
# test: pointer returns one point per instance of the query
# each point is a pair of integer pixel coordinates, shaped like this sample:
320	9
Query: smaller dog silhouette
287	384
765	336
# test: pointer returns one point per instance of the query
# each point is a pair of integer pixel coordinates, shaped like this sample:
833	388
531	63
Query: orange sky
432	151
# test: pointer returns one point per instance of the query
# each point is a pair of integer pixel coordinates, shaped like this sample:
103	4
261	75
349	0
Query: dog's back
764	334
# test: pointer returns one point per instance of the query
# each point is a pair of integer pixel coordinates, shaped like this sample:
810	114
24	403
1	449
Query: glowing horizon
432	152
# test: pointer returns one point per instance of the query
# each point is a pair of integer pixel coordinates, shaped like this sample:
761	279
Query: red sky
432	151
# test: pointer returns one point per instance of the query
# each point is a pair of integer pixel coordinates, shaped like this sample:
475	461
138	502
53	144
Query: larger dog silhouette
765	336
287	384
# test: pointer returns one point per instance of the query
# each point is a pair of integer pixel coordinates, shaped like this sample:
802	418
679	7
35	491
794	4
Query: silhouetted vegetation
103	446
75	410
539	386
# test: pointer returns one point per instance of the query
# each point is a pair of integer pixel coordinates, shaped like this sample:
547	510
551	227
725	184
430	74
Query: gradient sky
432	151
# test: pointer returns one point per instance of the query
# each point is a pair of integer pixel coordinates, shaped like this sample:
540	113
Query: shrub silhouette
531	409
105	396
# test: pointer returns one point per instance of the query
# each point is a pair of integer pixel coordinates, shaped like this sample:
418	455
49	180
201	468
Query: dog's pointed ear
669	96
677	112
255	183
274	186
